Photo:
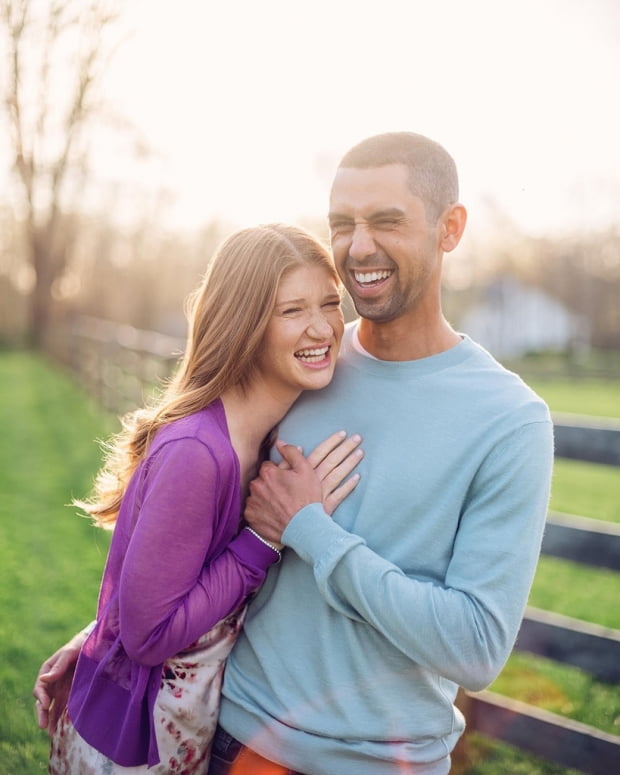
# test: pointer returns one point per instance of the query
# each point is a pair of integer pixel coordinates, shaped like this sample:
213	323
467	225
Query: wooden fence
588	646
119	364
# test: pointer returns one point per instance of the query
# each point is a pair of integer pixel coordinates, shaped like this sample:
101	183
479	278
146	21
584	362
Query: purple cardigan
177	564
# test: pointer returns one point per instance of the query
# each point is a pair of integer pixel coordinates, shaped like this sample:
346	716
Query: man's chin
376	313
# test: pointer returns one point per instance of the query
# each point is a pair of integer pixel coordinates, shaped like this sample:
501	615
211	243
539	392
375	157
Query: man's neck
397	340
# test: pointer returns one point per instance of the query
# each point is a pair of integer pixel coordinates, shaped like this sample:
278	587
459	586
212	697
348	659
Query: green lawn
580	591
52	559
598	397
587	489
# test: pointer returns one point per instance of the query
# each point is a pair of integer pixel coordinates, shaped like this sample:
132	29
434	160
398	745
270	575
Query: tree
56	54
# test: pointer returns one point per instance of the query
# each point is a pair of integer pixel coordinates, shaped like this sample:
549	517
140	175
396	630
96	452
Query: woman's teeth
312	356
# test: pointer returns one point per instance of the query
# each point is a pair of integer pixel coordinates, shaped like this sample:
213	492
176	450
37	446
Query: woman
265	325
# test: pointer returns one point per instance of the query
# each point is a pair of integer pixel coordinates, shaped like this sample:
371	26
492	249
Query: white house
515	319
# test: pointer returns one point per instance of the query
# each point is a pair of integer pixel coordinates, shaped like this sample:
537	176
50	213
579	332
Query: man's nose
362	242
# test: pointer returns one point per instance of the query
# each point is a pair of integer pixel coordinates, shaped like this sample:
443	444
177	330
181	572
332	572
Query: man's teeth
371	277
312	356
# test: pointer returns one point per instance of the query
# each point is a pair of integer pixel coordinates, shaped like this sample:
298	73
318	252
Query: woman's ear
453	223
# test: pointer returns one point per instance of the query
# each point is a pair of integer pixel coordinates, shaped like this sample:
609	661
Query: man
353	651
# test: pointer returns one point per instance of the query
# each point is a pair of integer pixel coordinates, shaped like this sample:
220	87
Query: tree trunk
41	296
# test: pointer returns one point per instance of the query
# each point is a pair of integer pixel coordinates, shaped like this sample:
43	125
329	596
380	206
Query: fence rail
583	540
548	735
118	364
588	646
580	438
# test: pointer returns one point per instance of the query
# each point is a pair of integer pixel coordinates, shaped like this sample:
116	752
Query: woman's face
303	337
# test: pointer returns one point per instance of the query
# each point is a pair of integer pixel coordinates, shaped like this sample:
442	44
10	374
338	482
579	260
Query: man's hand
51	689
280	491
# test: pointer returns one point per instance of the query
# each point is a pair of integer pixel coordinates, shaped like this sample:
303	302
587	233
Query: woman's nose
320	327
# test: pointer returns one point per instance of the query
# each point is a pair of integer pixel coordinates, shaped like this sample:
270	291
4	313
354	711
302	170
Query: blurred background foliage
74	243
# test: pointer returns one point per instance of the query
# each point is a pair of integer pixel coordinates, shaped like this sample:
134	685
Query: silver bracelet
264	541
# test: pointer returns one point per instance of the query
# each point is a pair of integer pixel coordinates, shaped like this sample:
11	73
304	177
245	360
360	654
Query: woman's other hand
333	460
51	689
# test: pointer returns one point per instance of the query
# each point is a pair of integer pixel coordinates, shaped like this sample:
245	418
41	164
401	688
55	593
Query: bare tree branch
57	51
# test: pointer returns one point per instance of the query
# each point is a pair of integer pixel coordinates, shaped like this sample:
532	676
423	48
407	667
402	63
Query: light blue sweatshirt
354	649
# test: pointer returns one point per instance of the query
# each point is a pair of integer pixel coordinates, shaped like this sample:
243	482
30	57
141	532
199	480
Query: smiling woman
264	325
302	338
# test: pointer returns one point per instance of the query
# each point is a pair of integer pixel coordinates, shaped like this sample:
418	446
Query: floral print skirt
185	712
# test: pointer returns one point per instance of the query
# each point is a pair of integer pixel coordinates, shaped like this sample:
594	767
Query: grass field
52	560
597	397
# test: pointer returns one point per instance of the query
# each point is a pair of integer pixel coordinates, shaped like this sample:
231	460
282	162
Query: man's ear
452	226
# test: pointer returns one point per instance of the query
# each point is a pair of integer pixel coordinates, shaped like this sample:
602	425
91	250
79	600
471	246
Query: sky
250	103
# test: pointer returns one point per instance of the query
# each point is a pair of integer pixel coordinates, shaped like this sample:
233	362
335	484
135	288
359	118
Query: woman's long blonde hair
227	315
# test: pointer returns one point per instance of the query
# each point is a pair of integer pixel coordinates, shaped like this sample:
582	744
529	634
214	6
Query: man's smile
371	278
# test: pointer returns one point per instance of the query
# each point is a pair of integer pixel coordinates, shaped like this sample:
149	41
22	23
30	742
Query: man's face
385	250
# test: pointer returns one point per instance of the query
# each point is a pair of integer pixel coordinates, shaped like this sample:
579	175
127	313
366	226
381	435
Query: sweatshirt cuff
315	537
252	552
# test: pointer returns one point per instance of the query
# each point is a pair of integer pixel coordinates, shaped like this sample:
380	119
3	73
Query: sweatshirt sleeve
170	594
464	628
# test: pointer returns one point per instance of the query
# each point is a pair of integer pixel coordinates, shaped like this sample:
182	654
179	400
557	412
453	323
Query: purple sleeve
169	595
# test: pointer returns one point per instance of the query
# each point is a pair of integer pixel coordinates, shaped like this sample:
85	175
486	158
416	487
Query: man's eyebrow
338	217
389	212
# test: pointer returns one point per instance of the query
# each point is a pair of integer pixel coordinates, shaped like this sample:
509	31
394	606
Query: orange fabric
250	763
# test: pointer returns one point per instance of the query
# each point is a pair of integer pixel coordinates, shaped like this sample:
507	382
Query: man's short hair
432	172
